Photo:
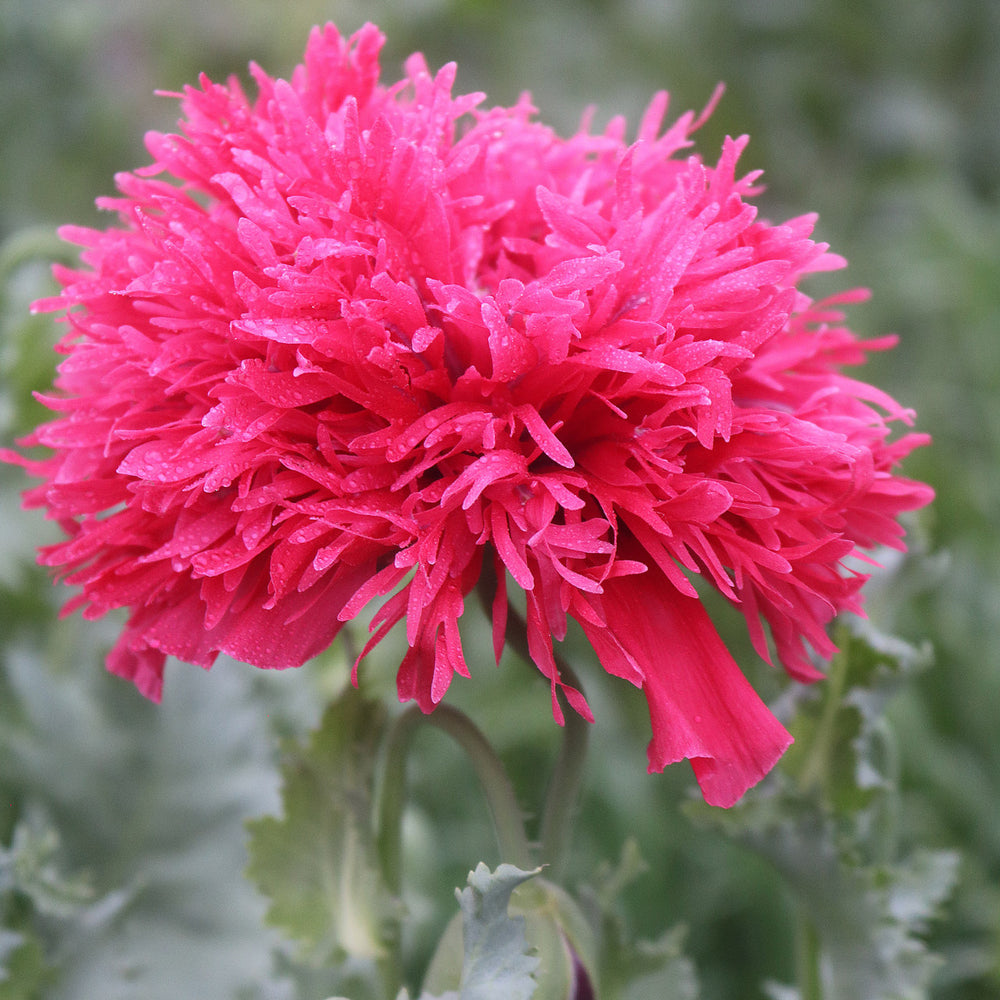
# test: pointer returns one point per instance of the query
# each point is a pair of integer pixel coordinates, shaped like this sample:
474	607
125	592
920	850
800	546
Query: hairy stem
507	818
807	957
567	776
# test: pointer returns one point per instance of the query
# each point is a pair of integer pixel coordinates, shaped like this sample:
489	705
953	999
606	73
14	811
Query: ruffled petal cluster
352	343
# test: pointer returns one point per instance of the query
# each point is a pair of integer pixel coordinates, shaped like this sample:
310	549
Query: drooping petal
701	706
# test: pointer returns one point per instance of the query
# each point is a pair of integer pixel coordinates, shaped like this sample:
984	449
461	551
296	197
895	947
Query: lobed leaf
826	822
497	963
317	863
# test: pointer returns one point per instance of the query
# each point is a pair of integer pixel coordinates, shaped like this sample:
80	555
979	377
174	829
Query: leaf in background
825	820
149	801
317	864
869	919
28	866
24	972
27	360
635	968
39	904
838	724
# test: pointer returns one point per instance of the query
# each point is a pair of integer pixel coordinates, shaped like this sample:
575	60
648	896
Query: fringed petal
701	706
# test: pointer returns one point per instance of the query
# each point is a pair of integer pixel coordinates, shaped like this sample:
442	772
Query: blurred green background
882	115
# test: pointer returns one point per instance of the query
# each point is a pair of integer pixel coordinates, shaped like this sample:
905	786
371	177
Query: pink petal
700	704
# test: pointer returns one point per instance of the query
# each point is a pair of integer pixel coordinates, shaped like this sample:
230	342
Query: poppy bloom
350	342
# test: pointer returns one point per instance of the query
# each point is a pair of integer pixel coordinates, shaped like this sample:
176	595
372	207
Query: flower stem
807	957
564	785
507	818
391	798
563	792
816	772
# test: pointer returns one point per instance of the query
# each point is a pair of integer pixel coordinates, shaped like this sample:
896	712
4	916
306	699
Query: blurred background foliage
121	842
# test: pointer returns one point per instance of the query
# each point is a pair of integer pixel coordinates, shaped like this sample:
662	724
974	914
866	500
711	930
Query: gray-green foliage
317	863
497	965
122	825
827	820
629	967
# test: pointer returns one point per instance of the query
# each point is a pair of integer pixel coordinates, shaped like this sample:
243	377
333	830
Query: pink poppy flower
350	342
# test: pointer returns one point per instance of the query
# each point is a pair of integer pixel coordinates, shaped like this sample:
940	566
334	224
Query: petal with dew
701	706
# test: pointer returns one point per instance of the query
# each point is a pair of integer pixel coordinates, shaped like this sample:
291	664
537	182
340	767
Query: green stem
390	971
564	788
567	776
39	243
507	818
816	772
807	957
391	799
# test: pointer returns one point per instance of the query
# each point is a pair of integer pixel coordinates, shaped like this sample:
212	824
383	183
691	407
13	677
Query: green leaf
826	822
663	970
36	894
24	972
497	965
837	725
869	919
29	866
539	916
627	967
27	360
150	801
317	864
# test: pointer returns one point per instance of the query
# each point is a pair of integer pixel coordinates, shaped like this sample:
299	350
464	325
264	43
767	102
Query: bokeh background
881	115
